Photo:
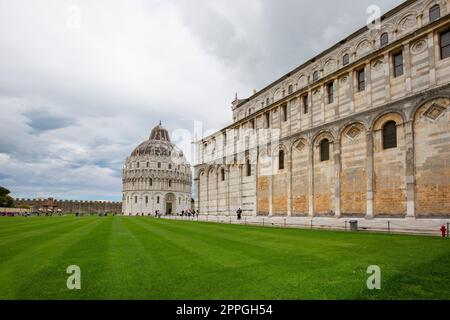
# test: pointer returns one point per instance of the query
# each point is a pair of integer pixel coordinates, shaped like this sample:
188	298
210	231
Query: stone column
228	189
387	76
217	190
310	108
311	179
369	177
322	90
351	91
290	105
256	183
336	97
432	58
368	69
270	189
207	191
410	181
280	121
240	185
407	67
337	177
289	185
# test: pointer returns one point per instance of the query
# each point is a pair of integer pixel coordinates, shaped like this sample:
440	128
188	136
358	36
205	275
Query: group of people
189	213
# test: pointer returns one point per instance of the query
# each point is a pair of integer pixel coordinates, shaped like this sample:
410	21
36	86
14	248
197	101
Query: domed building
156	176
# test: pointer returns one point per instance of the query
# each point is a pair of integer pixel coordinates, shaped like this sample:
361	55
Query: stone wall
72	206
362	177
432	158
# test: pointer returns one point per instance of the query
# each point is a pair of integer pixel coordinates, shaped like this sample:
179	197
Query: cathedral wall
263	185
235	185
248	190
222	196
353	173
432	158
203	193
362	176
212	190
390	170
324	176
300	179
279	192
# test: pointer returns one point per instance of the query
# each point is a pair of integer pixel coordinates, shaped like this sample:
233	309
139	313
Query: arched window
325	150
345	59
384	39
390	135
222	174
146	199
137	165
280	160
267	102
249	168
290	89
157	199
151	182
316	75
170	183
435	13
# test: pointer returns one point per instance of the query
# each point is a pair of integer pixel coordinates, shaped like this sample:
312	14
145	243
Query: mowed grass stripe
34	233
88	251
131	270
247	277
147	258
190	270
279	271
9	228
160	268
209	242
339	259
17	279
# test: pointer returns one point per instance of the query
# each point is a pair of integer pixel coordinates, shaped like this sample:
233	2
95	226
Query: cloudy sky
83	82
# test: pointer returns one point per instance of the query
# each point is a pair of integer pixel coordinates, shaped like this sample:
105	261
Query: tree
6	200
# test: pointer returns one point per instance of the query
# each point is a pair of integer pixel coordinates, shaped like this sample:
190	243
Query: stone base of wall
392	225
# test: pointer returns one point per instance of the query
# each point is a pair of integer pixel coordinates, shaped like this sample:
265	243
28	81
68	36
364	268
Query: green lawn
146	258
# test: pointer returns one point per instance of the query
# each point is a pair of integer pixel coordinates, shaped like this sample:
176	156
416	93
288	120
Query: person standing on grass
239	213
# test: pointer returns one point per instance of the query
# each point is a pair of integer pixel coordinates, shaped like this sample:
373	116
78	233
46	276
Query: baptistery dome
156	177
